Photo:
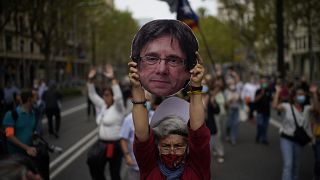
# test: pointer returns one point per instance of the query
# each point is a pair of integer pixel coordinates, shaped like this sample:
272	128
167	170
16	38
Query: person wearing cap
174	146
127	136
164	51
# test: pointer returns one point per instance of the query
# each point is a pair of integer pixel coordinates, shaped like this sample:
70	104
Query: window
8	40
31	47
21	45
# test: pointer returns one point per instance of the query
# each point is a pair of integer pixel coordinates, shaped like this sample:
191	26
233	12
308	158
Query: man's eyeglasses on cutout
171	61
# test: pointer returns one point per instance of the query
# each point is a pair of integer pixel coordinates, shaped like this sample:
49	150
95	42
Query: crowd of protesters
172	146
228	94
255	100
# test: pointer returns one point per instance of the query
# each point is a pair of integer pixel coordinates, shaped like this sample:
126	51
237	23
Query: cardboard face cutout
162	67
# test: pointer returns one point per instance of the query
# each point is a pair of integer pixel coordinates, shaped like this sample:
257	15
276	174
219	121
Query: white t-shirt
288	125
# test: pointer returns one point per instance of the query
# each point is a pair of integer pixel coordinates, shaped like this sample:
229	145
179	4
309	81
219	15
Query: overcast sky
156	9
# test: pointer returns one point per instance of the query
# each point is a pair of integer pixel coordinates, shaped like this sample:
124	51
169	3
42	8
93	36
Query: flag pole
186	14
207	47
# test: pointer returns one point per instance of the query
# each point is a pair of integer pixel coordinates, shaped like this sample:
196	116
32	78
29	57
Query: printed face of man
166	77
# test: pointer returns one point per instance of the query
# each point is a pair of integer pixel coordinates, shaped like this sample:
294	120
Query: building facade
22	61
305	55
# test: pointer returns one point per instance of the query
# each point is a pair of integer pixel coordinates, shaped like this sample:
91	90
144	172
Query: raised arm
275	102
314	99
196	105
117	94
139	112
93	95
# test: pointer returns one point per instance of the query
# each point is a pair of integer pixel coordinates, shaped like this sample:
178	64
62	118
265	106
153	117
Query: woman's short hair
176	29
170	125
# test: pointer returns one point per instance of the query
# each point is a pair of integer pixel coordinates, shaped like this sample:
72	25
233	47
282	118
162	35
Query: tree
61	27
114	31
220	38
46	22
256	24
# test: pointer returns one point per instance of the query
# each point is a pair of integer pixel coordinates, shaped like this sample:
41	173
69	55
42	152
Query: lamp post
280	44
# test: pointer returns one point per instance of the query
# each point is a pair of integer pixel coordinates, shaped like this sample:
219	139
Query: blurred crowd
227	98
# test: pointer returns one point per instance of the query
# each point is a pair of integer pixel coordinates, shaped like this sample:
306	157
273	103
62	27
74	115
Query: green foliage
115	31
60	26
255	20
220	37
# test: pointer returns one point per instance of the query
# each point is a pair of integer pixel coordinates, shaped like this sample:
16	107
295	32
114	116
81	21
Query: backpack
3	137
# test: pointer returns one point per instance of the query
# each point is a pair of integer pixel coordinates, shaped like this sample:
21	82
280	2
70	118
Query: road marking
81	146
73	157
74	109
73	148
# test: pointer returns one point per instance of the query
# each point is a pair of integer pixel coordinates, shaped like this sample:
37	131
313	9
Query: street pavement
244	161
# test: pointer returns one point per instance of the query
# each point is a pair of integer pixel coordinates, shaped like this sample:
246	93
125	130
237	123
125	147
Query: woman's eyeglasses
171	61
175	148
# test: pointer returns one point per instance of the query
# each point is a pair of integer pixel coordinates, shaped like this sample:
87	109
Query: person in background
315	124
263	99
52	100
90	107
291	150
19	131
218	93
127	138
284	94
39	106
233	104
211	109
109	120
172	148
248	95
126	93
42	88
19	126
2	105
10	96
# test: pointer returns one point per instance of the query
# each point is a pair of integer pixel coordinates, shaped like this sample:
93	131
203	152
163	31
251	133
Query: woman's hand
197	72
134	75
31	151
278	88
196	105
313	89
92	73
108	71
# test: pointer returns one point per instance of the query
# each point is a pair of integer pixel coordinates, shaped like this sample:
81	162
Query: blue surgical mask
148	105
301	99
205	89
264	85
